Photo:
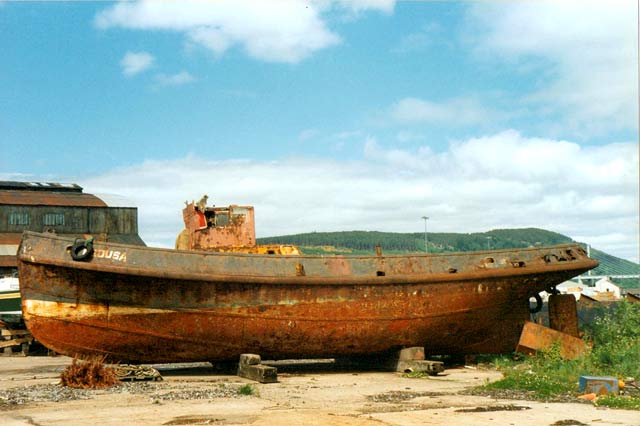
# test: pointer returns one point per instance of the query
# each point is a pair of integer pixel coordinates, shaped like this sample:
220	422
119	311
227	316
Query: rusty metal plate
537	337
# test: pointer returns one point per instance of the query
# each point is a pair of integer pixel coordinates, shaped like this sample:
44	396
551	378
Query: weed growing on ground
88	374
618	401
415	375
246	390
614	338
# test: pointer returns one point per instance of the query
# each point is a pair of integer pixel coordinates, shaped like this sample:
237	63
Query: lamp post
426	239
489	243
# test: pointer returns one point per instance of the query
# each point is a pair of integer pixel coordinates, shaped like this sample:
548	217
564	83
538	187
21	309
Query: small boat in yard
148	305
9	297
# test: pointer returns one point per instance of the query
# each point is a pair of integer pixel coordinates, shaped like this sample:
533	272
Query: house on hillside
605	286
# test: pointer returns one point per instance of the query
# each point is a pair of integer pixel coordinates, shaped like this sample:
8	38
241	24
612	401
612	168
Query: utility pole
426	239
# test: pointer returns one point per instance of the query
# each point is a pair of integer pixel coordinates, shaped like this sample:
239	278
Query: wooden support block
6	332
250	359
432	368
414	353
15	342
250	367
259	373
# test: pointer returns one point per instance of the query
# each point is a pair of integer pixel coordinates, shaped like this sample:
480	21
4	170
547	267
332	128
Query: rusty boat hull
143	305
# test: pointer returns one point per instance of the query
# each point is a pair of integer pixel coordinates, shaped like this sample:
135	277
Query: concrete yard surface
197	394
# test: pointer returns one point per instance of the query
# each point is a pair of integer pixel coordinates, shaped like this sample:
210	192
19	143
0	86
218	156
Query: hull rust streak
160	305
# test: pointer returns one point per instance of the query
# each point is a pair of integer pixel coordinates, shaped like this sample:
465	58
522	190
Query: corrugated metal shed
63	209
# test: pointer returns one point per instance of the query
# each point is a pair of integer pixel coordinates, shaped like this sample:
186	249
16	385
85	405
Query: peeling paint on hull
177	306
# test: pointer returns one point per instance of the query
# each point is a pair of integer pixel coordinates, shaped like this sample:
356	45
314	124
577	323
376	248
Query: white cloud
584	53
453	111
134	63
275	31
499	181
178	79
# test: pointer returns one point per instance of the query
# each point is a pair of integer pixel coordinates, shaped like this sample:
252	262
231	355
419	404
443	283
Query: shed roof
46	194
40	186
42	198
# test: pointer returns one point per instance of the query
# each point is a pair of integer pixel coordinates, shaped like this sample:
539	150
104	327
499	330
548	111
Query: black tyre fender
538	306
82	249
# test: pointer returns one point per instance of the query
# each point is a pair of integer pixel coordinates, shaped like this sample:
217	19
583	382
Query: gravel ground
314	395
40	393
21	395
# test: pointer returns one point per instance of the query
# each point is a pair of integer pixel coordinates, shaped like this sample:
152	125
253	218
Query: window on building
18	218
53	219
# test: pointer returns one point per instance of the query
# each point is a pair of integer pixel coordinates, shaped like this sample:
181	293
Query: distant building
605	286
61	209
574	288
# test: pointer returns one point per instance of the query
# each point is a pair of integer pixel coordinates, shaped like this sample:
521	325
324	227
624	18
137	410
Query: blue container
598	385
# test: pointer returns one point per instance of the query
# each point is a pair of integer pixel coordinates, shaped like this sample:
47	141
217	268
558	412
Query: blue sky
333	115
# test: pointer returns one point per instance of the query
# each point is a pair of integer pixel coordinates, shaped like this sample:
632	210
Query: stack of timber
14	342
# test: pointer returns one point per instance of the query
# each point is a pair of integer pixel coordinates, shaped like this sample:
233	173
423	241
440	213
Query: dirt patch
492	408
211	420
519	395
400	396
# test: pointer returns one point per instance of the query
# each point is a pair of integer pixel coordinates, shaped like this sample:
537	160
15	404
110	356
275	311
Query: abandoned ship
219	295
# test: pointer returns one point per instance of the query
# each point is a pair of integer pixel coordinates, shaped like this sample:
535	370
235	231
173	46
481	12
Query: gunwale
261	275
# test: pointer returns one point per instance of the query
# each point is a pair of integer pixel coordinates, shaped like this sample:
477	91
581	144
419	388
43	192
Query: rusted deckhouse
62	209
228	229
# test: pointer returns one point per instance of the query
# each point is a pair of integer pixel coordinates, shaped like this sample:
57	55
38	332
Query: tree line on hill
415	242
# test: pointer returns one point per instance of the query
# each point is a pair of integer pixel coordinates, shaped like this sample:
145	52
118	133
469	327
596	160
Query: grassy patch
415	375
619	401
246	390
614	338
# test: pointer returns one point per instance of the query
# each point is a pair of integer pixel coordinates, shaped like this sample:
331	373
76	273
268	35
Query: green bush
614	337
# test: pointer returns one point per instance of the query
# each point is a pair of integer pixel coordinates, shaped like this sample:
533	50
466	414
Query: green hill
364	242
